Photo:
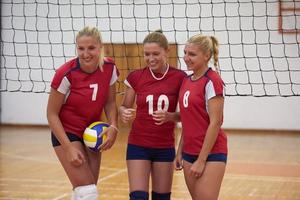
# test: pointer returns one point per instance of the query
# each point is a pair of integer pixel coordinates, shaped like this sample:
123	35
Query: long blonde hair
207	44
95	33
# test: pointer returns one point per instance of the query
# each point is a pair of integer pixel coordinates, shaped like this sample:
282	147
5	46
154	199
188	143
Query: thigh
189	179
162	176
138	174
78	176
94	160
208	185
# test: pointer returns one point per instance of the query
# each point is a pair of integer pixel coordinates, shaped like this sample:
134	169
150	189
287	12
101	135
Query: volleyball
93	135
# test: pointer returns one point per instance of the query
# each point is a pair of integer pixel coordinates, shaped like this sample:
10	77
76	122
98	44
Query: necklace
160	78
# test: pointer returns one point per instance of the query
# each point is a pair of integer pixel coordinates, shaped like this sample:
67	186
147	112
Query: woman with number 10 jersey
150	150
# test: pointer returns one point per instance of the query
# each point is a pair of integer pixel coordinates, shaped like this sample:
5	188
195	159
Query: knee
85	192
139	195
161	196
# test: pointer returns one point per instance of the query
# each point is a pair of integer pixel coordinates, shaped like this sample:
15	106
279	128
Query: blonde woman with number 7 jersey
80	90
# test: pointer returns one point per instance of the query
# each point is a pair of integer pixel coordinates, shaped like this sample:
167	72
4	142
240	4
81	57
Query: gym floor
262	165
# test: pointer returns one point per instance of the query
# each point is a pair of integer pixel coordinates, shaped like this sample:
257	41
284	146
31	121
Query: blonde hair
157	37
207	44
95	33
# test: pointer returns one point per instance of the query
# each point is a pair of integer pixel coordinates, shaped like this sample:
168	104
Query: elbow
48	115
110	102
51	115
216	123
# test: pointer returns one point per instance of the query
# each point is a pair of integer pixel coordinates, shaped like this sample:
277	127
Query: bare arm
110	107
178	159
110	110
55	102
215	111
126	110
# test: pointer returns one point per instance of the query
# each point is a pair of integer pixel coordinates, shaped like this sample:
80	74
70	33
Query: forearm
58	130
123	107
111	113
180	145
175	116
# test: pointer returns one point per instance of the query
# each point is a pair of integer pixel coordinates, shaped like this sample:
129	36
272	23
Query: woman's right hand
178	162
127	114
75	156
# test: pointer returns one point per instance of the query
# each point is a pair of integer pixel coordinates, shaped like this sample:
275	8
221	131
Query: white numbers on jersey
162	100
95	91
186	99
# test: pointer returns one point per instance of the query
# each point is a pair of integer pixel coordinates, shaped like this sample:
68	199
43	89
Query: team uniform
193	102
85	95
146	139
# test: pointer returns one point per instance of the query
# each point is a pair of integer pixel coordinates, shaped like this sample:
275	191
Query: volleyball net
259	40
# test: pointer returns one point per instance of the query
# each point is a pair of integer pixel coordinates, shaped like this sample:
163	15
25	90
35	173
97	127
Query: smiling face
155	56
88	50
195	58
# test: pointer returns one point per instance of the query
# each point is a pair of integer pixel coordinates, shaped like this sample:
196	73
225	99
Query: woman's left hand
161	116
197	168
111	135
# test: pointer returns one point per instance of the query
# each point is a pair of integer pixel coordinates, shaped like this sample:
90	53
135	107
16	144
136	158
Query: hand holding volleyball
99	136
94	135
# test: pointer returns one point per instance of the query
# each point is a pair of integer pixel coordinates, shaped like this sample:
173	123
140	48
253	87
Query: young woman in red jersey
80	89
202	151
150	150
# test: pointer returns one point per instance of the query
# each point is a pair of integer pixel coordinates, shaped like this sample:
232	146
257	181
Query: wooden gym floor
261	166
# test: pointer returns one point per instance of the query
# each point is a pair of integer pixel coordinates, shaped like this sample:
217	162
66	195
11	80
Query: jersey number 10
162	100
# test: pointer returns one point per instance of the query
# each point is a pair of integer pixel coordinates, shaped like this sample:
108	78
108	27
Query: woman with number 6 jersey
80	90
202	151
150	150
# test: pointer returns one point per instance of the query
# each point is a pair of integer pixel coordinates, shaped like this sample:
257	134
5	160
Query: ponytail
215	51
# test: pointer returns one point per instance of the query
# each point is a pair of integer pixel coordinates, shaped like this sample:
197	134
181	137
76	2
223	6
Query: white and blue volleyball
93	135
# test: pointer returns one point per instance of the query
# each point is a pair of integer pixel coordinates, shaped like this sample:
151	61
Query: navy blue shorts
72	138
135	152
214	157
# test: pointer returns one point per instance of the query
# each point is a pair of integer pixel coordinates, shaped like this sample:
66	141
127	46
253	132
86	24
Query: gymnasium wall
241	112
275	113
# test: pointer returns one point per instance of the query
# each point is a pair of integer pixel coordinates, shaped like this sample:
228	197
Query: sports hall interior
262	126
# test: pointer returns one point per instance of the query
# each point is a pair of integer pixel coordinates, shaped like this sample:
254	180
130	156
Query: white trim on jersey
127	83
114	76
209	92
64	86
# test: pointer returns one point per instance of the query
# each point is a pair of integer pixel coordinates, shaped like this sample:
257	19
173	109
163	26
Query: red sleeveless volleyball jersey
193	99
85	93
154	94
